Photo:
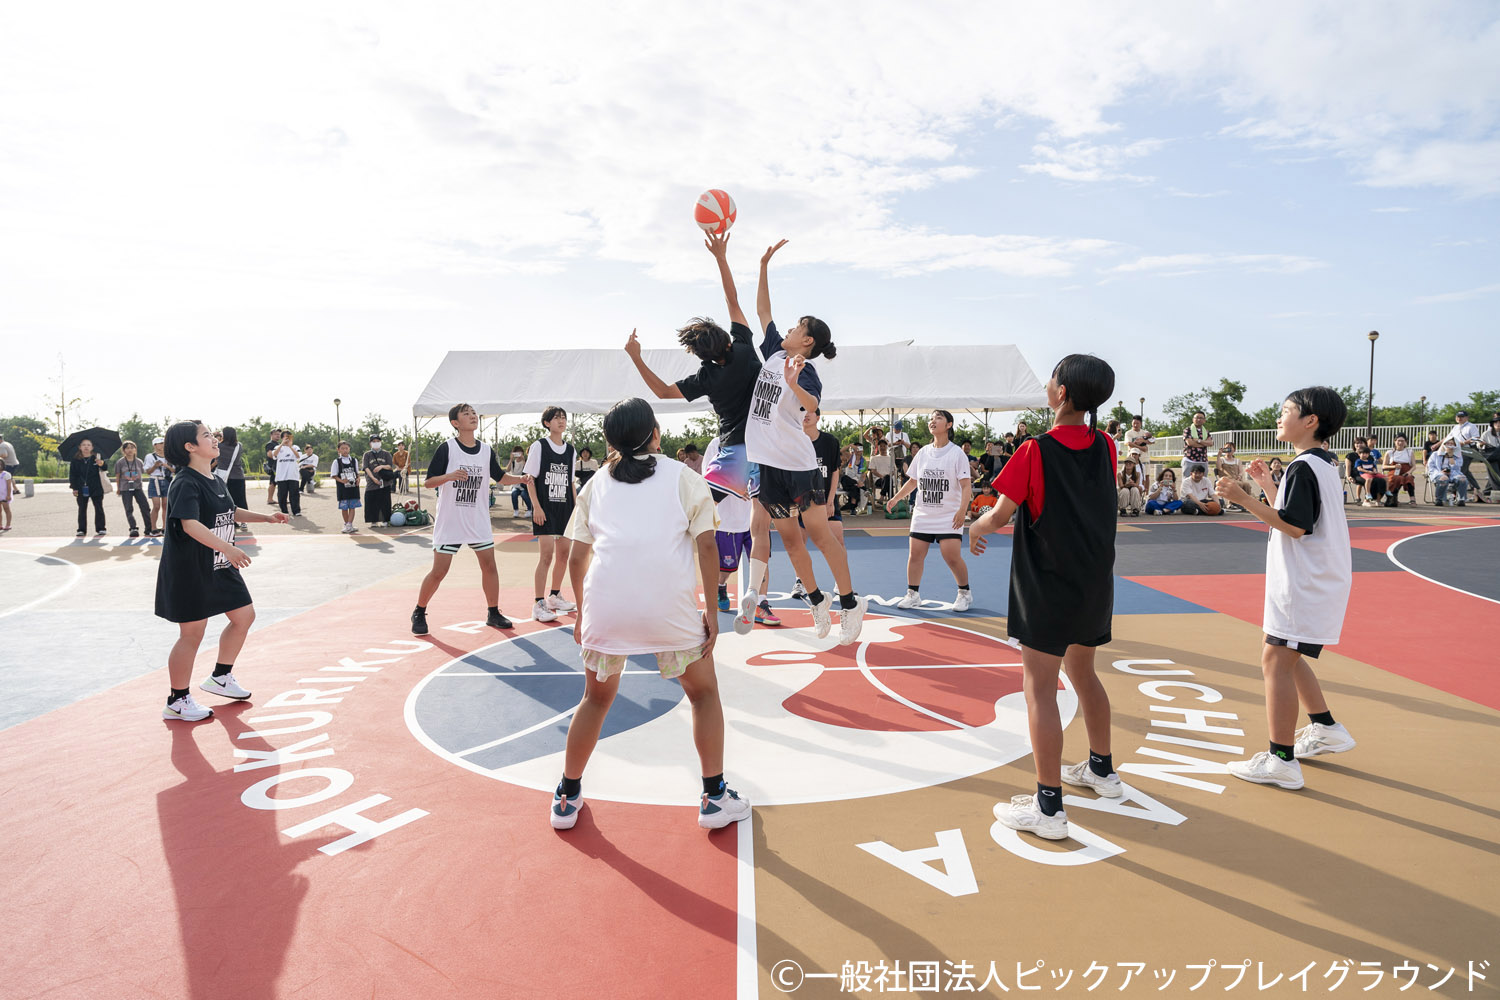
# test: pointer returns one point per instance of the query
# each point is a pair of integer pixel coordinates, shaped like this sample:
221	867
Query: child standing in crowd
777	443
86	478
401	459
1061	585
940	478
379	468
199	573
288	475
1163	498
1309	571
307	467
517	470
129	473
550	463
460	471
6	485
635	533
159	475
344	471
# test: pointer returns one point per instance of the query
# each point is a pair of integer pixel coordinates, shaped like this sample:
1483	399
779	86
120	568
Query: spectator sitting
307	465
1366	468
1130	487
1195	442
1397	470
1198	495
882	470
1228	464
1278	472
1489	443
1164	494
1445	474
1465	437
852	477
1351	473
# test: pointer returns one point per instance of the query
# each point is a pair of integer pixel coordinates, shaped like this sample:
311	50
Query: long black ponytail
629	427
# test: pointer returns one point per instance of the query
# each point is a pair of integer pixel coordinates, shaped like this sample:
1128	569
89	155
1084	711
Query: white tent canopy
900	376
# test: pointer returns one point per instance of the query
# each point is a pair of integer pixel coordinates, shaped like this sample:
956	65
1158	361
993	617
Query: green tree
140	431
28	435
1223	407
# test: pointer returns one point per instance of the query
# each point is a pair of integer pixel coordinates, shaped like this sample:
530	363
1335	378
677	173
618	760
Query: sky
225	212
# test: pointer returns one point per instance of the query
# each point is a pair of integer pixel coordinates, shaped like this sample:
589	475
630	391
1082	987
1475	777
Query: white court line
746	960
525	732
1390	554
72	580
764	666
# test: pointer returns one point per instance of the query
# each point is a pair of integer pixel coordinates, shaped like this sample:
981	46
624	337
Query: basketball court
372	822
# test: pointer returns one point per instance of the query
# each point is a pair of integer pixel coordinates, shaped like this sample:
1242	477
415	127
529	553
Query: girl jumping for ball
636	530
940	477
199	573
788	465
1061	488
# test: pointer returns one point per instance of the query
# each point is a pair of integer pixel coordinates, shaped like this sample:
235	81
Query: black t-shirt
826	447
194	582
729	386
438	466
1301	502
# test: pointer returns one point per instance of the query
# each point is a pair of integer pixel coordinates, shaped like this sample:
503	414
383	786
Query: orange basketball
714	212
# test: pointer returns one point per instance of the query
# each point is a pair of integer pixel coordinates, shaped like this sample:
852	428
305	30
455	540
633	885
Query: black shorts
931	537
1307	649
785	493
1054	647
554	526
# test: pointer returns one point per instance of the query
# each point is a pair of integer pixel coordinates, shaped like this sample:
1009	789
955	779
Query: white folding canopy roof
900	376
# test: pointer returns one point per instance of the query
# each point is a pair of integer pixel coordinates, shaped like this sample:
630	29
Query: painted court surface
372	822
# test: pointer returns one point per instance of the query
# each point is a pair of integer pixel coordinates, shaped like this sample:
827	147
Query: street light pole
1143	411
337	431
1370	398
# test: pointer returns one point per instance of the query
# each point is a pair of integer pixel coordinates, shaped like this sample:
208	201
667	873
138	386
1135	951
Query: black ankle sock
176	693
220	669
914	587
1321	718
1102	764
571	787
847	601
723	590
814	596
1049	799
1284	751
554	593
963	586
422	608
714	785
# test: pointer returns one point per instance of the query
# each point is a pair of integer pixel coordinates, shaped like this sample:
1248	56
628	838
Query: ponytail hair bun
822	338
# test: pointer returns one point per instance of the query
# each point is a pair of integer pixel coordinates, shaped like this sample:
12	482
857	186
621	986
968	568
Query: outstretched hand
794	363
633	346
717	245
765	258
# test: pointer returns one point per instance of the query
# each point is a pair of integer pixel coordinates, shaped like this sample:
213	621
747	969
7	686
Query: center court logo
913	704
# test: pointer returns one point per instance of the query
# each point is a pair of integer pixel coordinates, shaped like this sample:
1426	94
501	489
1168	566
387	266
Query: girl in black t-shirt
1061	488
199	573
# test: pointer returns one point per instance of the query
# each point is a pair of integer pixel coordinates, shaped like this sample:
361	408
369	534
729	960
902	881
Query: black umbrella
106	443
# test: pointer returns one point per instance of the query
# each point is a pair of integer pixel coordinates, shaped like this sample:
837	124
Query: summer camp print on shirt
940	474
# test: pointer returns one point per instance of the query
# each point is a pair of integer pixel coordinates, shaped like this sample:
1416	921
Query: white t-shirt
5	478
463	506
1201	490
641	591
882	465
156	466
7	454
554	492
1138	440
773	431
309	460
1308	578
734	513
940	474
1465	434
1394	457
287	457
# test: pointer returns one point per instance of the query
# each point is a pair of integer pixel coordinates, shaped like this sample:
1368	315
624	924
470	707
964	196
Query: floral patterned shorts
671	663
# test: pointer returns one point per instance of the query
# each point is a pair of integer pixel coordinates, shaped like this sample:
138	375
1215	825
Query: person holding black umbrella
86	479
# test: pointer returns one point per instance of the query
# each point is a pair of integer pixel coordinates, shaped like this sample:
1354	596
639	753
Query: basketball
714	212
398	519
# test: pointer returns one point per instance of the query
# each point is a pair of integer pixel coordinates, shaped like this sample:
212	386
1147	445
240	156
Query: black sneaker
134	533
418	622
496	620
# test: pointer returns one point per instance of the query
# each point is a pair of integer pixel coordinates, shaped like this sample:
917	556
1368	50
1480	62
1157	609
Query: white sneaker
718	811
1316	739
185	709
1082	774
745	620
560	604
964	601
541	613
225	686
851	620
799	592
821	621
564	810
1022	813
1266	768
913	599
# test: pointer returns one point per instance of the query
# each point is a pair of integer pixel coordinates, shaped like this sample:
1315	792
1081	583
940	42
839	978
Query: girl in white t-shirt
636	529
941	479
289	476
787	476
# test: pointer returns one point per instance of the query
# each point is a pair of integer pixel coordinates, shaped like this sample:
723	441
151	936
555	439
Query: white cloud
1472	168
1394	208
1086	161
1178	264
1463	296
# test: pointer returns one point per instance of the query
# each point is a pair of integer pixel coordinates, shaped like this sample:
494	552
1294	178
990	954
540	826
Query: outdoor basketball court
372	823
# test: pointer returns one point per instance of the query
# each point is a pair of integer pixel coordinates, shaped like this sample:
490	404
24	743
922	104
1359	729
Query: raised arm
763	292
662	389
719	247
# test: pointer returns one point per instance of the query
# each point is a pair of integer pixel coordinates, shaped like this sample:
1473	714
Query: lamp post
1370	398
1422	411
337	432
1143	411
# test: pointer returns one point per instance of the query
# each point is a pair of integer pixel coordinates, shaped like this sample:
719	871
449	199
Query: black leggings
287	489
139	497
237	492
83	512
